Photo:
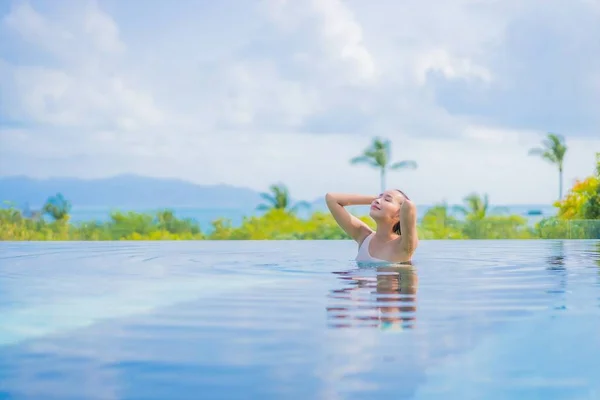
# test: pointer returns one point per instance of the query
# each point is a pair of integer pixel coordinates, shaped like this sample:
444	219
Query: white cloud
34	28
337	37
451	67
345	37
103	31
93	32
290	91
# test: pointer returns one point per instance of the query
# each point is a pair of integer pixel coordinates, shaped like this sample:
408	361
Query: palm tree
477	207
377	155
439	213
57	207
553	150
279	198
476	210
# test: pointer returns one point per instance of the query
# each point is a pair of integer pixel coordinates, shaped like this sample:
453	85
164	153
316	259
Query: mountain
131	191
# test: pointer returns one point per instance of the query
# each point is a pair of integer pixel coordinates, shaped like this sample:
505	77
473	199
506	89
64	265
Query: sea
205	216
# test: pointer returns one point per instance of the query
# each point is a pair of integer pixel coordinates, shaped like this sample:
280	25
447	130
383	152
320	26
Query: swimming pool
298	319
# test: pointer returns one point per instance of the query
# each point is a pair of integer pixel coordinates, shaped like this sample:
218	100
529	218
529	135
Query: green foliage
121	226
578	218
582	201
437	223
591	208
498	227
57	207
553	149
558	228
578	214
279	224
221	229
476	207
280	199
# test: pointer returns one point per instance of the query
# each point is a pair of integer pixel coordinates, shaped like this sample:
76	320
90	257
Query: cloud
94	32
80	86
451	68
337	39
252	92
546	72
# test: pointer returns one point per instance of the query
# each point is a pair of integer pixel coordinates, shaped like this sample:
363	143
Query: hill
131	191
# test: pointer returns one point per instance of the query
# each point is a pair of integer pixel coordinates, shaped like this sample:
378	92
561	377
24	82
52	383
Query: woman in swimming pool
395	238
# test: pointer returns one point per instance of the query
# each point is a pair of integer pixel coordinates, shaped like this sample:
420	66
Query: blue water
299	320
204	217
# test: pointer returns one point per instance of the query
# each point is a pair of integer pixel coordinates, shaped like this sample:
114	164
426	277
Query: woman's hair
396	229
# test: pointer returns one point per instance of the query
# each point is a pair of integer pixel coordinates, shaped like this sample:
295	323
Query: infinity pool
299	320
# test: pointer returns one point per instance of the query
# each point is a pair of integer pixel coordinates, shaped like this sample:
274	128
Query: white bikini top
363	252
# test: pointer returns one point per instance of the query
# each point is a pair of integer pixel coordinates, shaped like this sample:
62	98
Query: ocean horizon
205	216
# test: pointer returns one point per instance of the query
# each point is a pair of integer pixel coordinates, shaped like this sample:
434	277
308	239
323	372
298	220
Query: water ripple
299	320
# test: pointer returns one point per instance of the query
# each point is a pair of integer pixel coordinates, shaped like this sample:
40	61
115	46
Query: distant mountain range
140	192
127	191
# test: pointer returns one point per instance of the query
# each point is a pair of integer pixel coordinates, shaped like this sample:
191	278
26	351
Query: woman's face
387	206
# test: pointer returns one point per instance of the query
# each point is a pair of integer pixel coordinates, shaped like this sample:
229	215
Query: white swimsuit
363	252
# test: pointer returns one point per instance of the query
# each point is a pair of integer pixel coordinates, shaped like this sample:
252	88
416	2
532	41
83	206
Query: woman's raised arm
353	226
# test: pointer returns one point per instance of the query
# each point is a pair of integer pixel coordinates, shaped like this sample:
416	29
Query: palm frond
550	157
460	209
300	204
536	151
406	164
361	159
268	198
380	143
263	207
553	149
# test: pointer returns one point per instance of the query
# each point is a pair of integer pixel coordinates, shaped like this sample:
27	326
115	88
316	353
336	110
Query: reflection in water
382	297
556	258
597	254
556	261
125	324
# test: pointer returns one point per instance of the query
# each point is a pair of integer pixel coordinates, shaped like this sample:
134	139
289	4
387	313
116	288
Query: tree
440	224
279	199
553	150
479	224
591	209
582	201
377	155
477	207
57	207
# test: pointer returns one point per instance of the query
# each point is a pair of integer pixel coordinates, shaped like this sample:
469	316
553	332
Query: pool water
299	320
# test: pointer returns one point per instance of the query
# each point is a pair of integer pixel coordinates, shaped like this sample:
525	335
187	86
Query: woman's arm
408	226
353	226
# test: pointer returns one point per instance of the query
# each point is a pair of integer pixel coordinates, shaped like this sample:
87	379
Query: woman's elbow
330	198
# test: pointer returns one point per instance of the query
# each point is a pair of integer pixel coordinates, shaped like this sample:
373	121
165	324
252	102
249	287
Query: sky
255	92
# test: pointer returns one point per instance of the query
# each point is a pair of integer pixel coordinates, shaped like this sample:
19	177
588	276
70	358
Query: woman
395	239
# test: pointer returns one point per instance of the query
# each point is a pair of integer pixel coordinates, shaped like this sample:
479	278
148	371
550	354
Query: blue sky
255	92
